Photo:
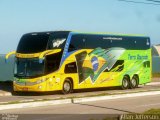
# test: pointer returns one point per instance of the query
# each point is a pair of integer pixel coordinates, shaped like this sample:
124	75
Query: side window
84	41
131	43
94	41
142	43
117	67
123	42
71	68
146	64
52	62
57	40
77	42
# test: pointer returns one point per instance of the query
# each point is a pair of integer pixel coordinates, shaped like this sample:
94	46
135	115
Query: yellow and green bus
68	60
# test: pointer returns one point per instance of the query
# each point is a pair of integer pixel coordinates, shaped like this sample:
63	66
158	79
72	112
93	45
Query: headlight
19	83
28	83
40	81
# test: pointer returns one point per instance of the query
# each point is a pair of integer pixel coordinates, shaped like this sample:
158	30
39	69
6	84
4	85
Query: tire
125	83
67	86
134	82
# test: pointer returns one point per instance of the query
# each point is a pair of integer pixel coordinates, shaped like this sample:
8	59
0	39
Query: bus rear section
104	60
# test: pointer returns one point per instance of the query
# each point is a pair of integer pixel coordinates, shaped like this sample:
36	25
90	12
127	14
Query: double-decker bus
68	60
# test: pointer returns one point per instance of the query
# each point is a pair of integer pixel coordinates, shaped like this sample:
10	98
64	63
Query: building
156	59
156	50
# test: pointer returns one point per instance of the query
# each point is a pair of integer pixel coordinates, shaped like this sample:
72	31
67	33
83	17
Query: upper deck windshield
33	43
57	41
39	42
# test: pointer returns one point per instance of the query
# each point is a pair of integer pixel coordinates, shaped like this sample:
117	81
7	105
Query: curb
74	100
6	94
153	83
111	97
34	104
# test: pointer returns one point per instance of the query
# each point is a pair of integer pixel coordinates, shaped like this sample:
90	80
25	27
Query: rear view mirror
8	55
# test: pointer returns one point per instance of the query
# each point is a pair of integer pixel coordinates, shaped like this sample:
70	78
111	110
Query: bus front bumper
34	88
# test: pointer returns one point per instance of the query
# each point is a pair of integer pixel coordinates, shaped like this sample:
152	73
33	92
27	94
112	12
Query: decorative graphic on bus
93	64
58	42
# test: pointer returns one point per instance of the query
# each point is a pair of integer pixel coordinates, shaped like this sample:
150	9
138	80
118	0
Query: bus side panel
94	68
138	62
104	68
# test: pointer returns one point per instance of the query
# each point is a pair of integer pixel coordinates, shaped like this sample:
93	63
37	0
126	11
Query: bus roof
109	33
91	33
46	32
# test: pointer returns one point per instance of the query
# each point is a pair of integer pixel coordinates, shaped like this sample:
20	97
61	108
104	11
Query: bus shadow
85	91
6	86
35	93
79	92
97	89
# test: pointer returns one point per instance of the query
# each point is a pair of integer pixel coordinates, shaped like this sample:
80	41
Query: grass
152	111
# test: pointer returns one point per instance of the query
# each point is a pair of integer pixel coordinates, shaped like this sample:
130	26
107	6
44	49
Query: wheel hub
67	86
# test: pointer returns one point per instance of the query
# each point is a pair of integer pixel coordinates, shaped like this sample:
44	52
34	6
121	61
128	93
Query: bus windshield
28	68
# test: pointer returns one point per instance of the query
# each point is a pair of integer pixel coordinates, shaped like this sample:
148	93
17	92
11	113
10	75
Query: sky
18	17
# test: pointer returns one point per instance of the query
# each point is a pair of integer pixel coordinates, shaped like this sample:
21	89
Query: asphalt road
38	96
79	110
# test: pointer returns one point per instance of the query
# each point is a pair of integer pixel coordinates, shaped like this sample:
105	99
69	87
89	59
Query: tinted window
146	64
53	62
33	43
71	68
77	42
57	40
84	41
132	43
28	67
94	41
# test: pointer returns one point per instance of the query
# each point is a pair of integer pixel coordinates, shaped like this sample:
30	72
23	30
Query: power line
131	1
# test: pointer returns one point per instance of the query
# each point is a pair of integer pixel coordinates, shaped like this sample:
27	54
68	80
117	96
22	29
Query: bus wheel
67	86
134	82
125	83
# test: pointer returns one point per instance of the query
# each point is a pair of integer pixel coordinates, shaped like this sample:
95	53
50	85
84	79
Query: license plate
25	89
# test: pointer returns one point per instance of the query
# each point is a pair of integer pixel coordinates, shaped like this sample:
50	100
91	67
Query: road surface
77	110
107	91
